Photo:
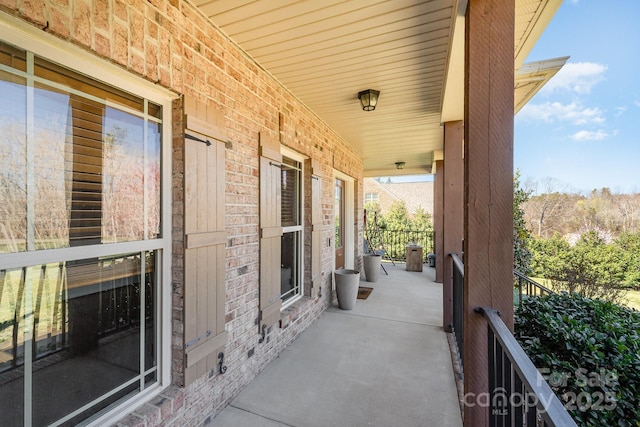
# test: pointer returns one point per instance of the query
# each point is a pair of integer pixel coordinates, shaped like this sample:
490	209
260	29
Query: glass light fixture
369	99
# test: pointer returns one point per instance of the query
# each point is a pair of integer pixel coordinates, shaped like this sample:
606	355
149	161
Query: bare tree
13	187
545	211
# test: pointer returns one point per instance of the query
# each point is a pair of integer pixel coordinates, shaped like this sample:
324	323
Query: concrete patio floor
384	363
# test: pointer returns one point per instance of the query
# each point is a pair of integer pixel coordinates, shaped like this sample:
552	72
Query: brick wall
415	195
169	42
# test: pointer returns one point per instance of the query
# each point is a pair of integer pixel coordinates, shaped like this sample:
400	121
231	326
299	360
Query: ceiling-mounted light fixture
400	165
369	99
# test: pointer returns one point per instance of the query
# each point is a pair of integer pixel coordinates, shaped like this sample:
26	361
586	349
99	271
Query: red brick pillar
438	224
453	212
488	161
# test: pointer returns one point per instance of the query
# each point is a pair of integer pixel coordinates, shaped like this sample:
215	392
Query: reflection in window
13	170
129	162
290	259
79	166
291	241
290	192
79	327
338	212
87	173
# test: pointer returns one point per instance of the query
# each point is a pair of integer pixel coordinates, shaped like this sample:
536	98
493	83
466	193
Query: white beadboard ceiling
326	51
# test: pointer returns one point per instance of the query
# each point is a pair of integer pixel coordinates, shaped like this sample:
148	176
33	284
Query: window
371	198
291	219
81	242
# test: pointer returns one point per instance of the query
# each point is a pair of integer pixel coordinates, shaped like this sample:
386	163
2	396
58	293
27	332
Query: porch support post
438	223
488	163
453	212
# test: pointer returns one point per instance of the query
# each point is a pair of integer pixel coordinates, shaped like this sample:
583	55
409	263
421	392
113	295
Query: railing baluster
498	401
395	241
458	304
508	421
543	402
519	396
493	383
532	415
532	287
518	411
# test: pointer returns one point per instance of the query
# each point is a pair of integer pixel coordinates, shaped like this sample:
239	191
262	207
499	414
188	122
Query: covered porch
387	362
247	98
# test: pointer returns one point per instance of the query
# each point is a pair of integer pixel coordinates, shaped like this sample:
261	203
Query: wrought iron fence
395	243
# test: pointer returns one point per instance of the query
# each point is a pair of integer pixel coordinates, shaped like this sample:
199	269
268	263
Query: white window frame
287	152
373	197
349	219
29	38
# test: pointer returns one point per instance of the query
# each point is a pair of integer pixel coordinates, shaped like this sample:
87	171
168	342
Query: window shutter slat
270	231
205	238
85	226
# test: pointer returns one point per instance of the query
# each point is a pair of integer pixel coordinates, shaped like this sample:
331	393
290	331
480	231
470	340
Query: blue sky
582	130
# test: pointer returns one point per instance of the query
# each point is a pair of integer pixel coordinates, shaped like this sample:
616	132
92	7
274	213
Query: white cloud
587	135
620	111
551	112
578	77
636	103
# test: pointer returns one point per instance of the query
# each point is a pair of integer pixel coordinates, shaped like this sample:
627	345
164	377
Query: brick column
488	161
453	212
438	224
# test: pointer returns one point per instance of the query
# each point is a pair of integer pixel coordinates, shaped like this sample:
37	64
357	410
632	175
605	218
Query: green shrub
590	351
590	263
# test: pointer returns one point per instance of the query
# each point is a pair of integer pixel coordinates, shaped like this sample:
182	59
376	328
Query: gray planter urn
372	266
347	283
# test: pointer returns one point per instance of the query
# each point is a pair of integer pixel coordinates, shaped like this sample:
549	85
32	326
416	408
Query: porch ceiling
325	52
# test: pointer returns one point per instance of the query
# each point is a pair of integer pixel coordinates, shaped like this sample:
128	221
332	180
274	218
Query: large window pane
291	241
79	327
13	161
53	156
87	173
290	262
80	165
338	212
152	179
123	192
290	192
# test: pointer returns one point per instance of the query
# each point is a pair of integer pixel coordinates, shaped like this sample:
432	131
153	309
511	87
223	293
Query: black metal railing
47	311
458	304
395	243
525	285
519	395
114	306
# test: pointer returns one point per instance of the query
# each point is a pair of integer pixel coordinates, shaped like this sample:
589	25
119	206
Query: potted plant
347	283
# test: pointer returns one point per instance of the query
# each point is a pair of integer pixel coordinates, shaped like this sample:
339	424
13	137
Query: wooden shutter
270	230
205	237
316	228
